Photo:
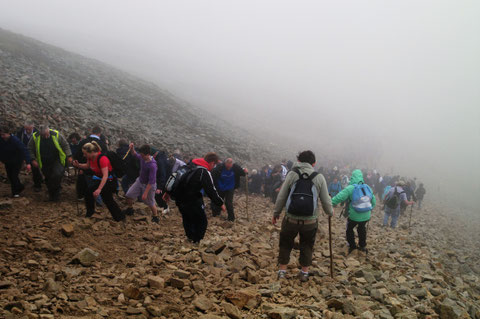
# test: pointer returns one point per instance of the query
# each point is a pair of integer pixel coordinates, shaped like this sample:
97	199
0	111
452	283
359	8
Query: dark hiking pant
227	197
362	233
53	173
290	230
37	177
160	202
194	220
13	170
107	196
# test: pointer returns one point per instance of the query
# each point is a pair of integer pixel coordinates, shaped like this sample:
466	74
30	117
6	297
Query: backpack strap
302	175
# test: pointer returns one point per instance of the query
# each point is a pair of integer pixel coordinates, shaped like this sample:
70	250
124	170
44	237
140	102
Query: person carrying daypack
393	203
361	203
299	194
186	188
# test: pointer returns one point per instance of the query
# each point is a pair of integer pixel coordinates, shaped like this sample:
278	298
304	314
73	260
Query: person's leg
150	202
107	195
420	203
13	170
81	185
287	238
350	235
362	235
187	223
89	199
307	241
160	202
386	218
37	178
216	210
229	203
53	178
200	223
395	215
134	191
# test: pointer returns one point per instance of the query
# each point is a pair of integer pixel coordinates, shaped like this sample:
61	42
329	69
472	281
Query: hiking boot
364	250
166	211
16	196
129	211
89	214
351	249
303	276
281	274
155	219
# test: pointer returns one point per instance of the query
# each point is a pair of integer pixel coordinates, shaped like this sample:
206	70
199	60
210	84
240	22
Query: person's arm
33	152
240	171
374	201
81	166
209	187
152	179
282	196
323	195
342	196
102	183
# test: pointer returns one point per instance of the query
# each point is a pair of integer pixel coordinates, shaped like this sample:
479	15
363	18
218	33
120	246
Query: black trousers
37	177
194	220
362	233
160	202
227	197
13	170
53	173
288	233
107	196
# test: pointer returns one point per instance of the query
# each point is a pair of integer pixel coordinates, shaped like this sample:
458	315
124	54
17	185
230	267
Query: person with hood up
359	215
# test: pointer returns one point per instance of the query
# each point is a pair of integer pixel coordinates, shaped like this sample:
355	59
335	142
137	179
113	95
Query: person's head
122	143
401	183
335	179
421	185
96	130
144	151
4	133
44	131
307	157
228	164
74	138
28	126
212	160
254	172
91	150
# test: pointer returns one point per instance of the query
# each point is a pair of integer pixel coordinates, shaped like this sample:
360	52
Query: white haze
398	81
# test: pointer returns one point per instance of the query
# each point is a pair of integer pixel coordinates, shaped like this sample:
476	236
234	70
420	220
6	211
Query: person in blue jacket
335	187
14	155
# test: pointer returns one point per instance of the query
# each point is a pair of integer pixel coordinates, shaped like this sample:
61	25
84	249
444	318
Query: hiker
255	183
146	183
14	154
420	194
24	134
74	142
103	181
335	187
284	169
51	153
393	202
302	212
275	182
132	165
84	177
163	172
175	163
361	202
226	177
190	199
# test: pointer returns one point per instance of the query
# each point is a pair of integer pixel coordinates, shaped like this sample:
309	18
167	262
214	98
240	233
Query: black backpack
118	165
303	197
393	201
177	182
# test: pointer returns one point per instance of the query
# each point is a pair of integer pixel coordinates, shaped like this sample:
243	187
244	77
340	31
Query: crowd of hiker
152	176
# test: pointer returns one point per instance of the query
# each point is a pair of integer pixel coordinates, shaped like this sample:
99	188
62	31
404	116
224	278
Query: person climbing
255	182
190	200
132	165
226	177
103	182
74	142
393	203
335	187
24	134
302	212
14	154
284	169
50	152
361	202
420	194
163	172
275	182
146	183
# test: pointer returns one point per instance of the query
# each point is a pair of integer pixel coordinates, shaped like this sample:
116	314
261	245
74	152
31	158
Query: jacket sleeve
31	149
64	145
23	149
342	196
283	194
209	188
239	170
216	174
325	199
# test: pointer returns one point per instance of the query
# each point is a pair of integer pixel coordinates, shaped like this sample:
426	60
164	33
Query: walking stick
410	220
246	196
128	152
330	244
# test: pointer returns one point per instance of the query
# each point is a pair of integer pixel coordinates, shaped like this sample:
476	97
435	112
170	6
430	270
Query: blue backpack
362	198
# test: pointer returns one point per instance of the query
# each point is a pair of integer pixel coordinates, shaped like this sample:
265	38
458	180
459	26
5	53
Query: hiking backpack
118	165
393	201
303	197
177	181
362	198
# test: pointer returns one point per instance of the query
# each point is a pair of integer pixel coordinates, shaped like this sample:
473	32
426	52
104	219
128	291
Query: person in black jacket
162	175
132	165
84	177
13	153
226	177
24	134
190	201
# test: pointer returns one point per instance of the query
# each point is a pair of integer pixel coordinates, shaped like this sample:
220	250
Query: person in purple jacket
13	154
146	183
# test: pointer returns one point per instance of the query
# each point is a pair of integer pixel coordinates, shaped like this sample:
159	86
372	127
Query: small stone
231	311
156	282
282	313
132	292
177	283
67	230
203	303
5	284
85	257
182	274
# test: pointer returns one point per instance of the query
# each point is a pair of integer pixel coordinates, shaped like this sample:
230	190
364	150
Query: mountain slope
71	92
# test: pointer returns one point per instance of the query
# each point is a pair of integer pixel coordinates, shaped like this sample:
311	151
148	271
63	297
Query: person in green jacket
355	218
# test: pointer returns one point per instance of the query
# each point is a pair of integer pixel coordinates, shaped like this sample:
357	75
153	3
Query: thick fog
392	85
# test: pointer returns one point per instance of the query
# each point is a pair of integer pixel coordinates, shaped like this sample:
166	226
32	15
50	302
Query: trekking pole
246	196
330	244
128	152
410	220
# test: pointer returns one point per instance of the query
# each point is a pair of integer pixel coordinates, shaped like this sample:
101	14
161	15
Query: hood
357	177
201	162
304	167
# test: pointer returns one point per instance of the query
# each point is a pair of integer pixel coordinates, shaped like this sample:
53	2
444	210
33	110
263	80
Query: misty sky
399	79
